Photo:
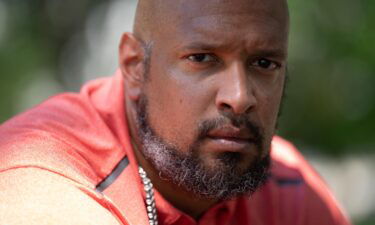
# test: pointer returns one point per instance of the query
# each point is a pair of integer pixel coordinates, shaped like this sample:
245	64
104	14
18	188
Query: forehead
194	8
223	20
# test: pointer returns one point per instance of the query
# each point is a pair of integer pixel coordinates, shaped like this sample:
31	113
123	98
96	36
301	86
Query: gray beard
187	170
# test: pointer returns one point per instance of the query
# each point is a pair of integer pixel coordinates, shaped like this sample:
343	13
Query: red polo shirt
69	161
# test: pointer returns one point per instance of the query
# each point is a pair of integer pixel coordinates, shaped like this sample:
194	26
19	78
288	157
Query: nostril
236	108
226	107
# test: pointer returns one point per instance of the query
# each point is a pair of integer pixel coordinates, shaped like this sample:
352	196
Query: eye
201	58
265	64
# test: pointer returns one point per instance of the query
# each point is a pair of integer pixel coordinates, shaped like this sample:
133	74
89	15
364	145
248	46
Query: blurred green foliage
330	104
32	37
366	221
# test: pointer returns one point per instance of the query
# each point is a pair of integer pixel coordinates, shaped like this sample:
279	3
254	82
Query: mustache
238	121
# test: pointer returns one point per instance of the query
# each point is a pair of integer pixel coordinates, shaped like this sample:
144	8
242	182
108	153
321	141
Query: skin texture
205	60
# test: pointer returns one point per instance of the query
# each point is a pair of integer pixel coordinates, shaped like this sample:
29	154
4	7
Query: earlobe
131	56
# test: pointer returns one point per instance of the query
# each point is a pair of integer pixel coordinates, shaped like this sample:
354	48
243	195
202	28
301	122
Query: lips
230	132
230	139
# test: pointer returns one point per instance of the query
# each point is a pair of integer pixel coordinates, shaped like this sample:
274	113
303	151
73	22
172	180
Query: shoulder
53	156
48	136
68	133
37	196
300	188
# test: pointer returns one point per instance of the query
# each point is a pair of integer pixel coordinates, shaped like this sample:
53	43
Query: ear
131	55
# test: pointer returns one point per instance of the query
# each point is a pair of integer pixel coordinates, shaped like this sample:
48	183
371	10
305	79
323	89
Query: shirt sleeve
35	196
322	207
315	202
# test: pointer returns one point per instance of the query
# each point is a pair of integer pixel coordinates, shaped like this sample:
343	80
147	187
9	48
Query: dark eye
265	64
201	58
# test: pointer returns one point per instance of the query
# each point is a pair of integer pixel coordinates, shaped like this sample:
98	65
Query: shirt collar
169	215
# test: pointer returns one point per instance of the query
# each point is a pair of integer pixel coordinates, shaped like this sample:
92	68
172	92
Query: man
182	134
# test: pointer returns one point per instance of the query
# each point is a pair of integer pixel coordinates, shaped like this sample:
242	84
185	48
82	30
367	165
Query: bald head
155	16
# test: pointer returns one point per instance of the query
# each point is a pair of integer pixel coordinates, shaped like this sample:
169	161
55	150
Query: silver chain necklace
150	200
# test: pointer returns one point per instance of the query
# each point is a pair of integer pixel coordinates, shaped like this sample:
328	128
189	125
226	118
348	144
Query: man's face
213	92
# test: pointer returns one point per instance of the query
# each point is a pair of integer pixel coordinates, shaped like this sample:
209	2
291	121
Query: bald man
183	133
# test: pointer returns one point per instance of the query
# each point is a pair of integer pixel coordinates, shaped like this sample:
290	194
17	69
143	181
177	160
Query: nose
236	91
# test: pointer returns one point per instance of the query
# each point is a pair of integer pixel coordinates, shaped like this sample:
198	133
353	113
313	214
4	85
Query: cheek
268	110
271	109
269	103
175	106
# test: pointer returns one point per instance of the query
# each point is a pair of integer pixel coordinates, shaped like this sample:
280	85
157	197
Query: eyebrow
271	52
203	46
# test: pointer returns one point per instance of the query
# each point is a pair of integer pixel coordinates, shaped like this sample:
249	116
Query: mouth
230	139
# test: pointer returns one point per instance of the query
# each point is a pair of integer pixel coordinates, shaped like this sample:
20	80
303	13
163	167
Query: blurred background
50	46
